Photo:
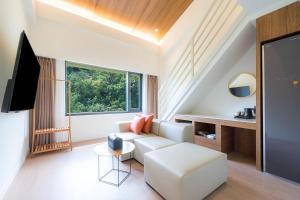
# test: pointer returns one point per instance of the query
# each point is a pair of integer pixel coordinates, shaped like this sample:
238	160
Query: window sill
101	113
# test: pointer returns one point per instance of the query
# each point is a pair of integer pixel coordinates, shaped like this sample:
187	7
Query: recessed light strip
100	20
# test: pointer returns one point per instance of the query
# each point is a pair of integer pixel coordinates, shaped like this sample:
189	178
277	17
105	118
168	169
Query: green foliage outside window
98	90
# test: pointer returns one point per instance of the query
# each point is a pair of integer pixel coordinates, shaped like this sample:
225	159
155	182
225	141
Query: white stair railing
221	19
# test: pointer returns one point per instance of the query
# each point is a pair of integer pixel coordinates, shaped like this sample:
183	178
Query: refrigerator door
281	107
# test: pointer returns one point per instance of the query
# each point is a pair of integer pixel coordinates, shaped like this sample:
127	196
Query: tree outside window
101	90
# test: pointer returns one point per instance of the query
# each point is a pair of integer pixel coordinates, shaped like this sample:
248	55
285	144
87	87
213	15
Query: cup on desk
248	113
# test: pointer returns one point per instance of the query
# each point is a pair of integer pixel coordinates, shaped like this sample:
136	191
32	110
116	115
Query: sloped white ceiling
257	8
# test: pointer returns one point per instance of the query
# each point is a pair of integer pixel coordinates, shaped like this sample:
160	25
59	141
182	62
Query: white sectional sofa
162	134
173	166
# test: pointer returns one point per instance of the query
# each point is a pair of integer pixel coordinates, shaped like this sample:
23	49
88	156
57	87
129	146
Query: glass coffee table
103	150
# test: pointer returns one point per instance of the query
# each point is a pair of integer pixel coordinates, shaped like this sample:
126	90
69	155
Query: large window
101	90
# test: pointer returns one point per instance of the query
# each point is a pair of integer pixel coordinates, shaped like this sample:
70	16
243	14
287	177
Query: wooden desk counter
232	134
220	120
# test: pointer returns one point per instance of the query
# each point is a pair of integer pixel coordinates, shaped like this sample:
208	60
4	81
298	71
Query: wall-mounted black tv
21	88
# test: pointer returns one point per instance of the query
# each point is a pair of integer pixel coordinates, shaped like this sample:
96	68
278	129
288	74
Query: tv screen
21	88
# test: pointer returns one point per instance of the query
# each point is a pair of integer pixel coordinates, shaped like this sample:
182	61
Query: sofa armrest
178	132
123	126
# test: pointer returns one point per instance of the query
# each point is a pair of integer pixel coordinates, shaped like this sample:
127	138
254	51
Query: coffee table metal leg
112	161
98	167
118	171
130	164
101	178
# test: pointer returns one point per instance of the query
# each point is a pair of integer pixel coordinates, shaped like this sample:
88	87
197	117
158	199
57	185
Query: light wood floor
73	176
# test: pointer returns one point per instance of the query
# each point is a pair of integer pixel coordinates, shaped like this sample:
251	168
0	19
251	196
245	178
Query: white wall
67	42
257	8
77	44
219	101
177	38
88	127
13	126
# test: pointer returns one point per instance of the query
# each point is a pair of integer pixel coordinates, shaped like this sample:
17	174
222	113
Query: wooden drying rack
53	146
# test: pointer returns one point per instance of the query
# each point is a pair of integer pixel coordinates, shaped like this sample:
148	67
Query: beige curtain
152	93
45	99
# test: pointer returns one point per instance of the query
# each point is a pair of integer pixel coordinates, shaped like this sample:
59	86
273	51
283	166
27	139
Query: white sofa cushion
122	126
130	136
185	171
146	144
155	126
179	132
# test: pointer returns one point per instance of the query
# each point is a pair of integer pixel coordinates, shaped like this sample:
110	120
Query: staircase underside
201	84
222	24
226	61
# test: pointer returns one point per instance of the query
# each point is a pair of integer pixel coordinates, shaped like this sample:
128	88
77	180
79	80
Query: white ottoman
144	145
185	171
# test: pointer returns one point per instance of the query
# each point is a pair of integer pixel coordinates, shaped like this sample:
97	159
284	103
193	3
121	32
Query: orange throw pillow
137	124
148	123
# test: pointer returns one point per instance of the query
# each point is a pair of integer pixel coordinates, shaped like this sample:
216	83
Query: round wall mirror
242	85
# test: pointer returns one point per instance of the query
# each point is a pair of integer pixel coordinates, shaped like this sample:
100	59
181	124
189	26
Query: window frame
127	90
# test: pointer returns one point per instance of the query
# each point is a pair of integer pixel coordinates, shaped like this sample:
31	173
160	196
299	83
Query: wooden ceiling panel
124	13
141	15
163	17
146	22
170	19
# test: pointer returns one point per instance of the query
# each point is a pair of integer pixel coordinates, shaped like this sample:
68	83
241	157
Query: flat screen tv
21	88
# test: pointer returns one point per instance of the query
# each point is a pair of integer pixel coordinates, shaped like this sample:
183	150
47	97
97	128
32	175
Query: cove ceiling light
76	10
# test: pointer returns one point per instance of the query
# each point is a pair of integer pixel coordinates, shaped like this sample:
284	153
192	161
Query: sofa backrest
155	126
178	132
